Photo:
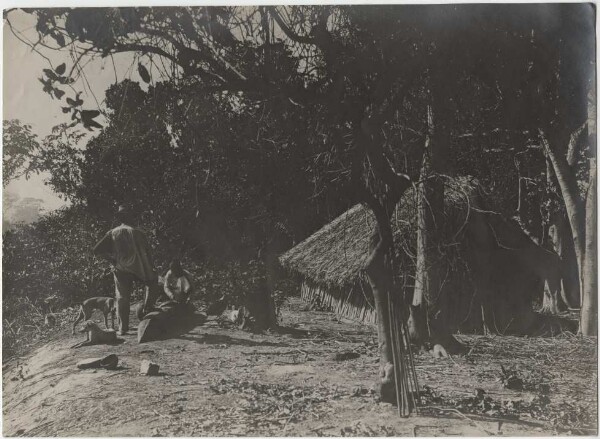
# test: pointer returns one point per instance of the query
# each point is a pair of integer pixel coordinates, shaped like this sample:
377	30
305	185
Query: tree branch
286	29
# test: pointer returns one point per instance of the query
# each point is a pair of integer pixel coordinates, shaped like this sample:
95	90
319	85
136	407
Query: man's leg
123	290
151	294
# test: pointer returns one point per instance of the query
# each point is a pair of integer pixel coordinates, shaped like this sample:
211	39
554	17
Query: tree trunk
551	303
380	275
379	268
429	266
589	303
430	202
560	237
573	202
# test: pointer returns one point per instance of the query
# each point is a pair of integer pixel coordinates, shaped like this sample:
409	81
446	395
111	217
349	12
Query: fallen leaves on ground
276	402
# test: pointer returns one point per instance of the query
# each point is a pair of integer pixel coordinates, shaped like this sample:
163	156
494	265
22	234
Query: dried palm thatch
335	256
331	262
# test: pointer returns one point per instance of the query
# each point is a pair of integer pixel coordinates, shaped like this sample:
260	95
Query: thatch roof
336	254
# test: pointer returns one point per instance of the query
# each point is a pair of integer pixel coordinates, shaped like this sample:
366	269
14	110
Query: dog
96	335
104	304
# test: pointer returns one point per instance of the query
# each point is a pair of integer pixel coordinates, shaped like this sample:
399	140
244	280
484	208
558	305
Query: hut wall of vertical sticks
478	297
351	302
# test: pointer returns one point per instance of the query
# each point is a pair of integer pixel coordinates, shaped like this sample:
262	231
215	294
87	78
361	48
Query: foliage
19	144
203	188
48	266
53	258
60	154
350	65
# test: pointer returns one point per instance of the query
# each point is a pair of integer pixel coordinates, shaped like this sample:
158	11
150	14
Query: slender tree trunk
561	239
430	202
559	234
573	202
589	303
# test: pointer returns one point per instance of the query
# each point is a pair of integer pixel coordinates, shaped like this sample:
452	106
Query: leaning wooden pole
411	375
404	364
395	356
405	376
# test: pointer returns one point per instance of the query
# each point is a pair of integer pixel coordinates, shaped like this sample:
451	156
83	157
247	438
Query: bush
52	260
49	266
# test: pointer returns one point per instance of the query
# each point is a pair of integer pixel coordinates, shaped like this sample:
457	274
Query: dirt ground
217	381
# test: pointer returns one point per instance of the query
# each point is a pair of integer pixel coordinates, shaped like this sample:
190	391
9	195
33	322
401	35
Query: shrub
49	266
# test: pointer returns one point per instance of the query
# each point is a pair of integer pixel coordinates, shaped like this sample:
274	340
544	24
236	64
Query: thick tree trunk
379	270
380	276
589	317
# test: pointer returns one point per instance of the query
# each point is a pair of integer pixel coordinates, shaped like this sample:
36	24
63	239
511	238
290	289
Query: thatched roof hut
331	262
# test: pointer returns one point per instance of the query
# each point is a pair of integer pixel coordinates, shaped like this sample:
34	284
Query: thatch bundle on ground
487	282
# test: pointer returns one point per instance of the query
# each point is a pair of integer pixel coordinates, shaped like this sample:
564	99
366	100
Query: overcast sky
24	99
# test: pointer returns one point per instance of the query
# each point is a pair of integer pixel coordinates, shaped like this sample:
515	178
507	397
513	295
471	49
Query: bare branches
287	30
28	43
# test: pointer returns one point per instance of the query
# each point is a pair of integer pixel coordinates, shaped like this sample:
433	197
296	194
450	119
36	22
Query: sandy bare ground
225	382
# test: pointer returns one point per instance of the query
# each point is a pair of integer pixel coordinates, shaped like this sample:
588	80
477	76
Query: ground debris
510	379
565	417
361	429
343	356
149	368
227	383
276	402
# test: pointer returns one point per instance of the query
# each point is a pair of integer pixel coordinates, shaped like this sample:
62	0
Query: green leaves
143	73
61	69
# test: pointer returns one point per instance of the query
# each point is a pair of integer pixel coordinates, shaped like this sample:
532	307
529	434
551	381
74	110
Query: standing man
128	250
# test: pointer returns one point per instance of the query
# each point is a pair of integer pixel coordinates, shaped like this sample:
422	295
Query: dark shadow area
172	327
119	367
295	332
552	325
317	334
225	339
117	342
84	343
